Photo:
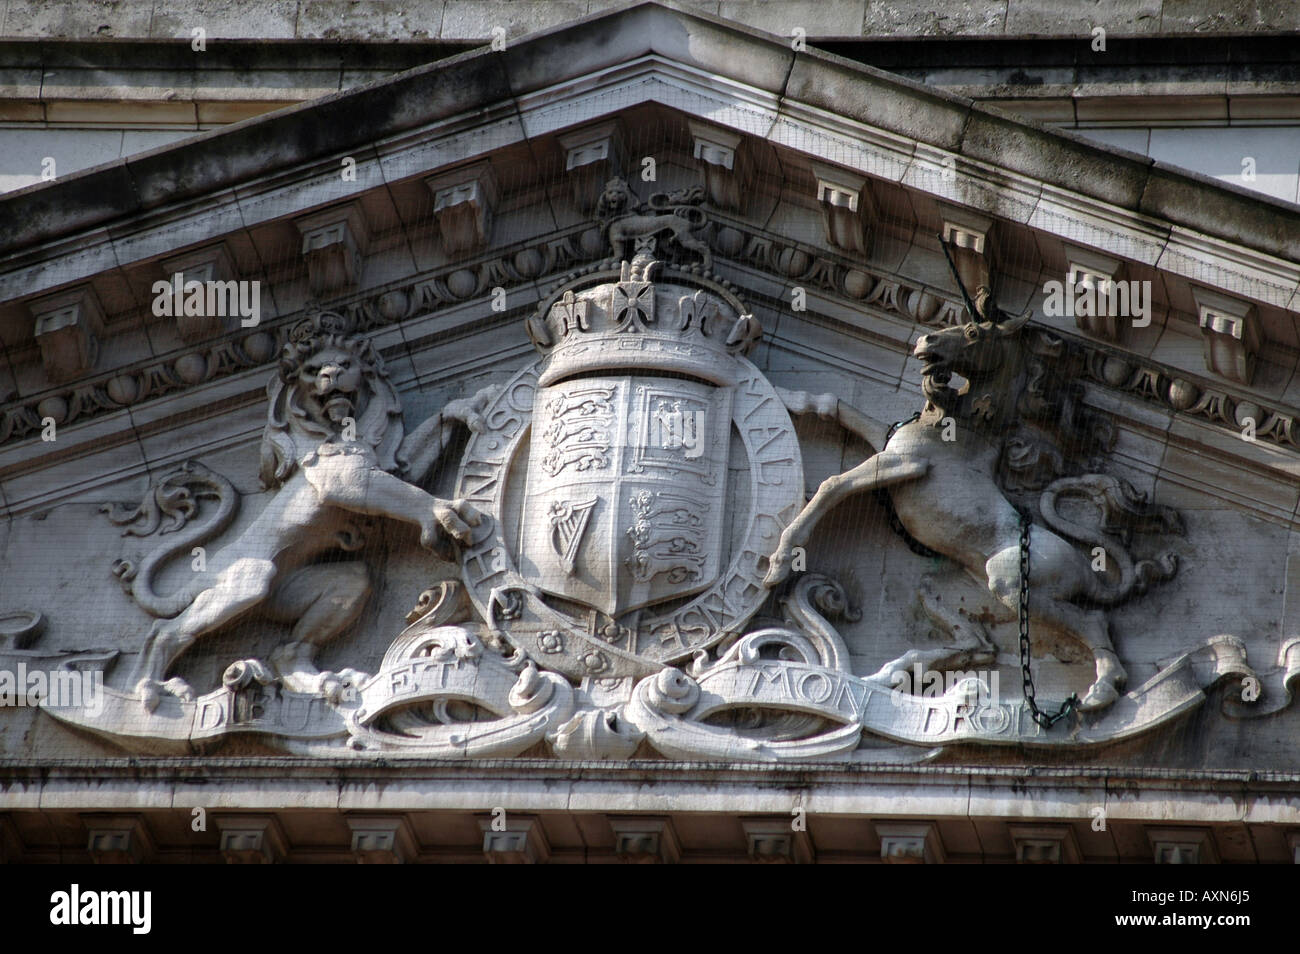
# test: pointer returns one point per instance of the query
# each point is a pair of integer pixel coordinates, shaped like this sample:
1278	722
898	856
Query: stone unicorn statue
946	495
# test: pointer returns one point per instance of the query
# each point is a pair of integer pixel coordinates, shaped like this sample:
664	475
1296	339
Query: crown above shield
644	316
661	312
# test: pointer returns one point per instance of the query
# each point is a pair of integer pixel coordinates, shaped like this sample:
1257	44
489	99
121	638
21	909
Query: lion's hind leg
322	601
162	646
696	245
239	587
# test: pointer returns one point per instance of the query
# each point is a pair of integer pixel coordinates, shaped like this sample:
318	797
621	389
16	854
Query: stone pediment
614	301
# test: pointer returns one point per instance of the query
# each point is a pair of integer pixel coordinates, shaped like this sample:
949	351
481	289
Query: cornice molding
861	119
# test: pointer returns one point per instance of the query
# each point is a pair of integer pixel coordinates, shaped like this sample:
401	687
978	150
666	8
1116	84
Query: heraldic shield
626	490
632	481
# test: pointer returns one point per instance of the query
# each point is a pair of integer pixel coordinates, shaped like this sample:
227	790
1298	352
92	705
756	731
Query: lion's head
615	200
330	386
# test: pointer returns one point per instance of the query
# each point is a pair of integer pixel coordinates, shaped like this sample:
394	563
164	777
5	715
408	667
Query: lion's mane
291	434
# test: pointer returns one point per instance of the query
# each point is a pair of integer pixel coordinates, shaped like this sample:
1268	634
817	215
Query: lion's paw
470	410
456	518
151	691
335	687
340	687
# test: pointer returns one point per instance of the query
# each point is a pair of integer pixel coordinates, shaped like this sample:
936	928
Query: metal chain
1027	678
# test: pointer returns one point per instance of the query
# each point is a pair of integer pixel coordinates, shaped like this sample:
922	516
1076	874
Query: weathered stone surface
1171	194
473	20
852	91
1205	16
814	18
1119	17
598	42
338	123
478	19
965	18
530	491
32	18
1063	159
369	19
222	18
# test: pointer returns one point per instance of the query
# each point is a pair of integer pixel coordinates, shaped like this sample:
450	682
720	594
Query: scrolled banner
527	703
672	708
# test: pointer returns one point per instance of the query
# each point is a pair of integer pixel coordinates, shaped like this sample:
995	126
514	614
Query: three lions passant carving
334	454
944	490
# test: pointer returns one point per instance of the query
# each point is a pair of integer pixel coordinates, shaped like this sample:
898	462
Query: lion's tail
175	497
1122	511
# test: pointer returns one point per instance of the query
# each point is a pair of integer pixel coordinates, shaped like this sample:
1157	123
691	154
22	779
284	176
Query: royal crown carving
642	318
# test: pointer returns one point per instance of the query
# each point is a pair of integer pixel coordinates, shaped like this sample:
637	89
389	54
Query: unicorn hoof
1100	696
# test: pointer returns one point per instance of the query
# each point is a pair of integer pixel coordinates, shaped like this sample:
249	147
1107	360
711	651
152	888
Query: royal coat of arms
627	522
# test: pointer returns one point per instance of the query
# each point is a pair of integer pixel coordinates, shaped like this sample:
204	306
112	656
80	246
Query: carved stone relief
627	530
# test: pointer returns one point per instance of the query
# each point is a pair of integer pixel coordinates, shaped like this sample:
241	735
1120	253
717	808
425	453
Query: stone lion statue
334	454
675	217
